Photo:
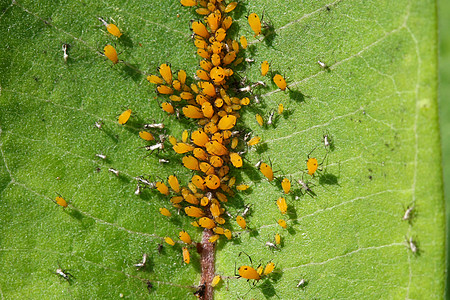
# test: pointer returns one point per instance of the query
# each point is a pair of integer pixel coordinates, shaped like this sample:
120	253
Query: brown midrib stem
207	264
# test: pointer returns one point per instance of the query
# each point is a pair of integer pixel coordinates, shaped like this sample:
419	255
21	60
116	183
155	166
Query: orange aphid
206	168
206	65
242	187
286	185
164	89
282	205
192	112
167	107
236	160
61	202
207	109
199	138
280	82
227	122
176	199
174	184
248	272
267	171
182	148
221	33
206	223
213	239
111	53
227	233
146	136
264	68
193	211
215	210
113	29
229	58
282	223
191	163
165	212
198	182
208	88
202	74
255	23
124	117
213	20
241	222
186	255
259	119
254	141
212	182
155	79
215	59
169	241
188	2
200	154
215	148
269	268
217	74
216	161
162	188
231	6
243	40
185	237
312	165
166	73
200	29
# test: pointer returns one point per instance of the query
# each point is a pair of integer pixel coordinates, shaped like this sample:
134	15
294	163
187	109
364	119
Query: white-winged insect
99	124
412	245
102	156
163	161
257	101
65	49
409	213
322	64
270	120
158	146
246	210
155	125
272	246
114	171
249	60
142	263
137	192
305	186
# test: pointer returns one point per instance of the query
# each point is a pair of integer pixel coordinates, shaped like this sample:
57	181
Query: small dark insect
200	292
149	285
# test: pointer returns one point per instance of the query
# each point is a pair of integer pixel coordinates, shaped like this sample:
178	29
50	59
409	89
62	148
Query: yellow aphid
215	280
192	112
259	119
206	223
193	211
200	29
234	143
226	23
191	163
166	73
185	237
206	168
167	107
245	101
217	74
208	89
146	136
236	160
223	171
282	205
212	182
198	182
269	268
176	199
162	188
264	68
186	96
174	184
111	53
61	202
286	185
165	212
164	89
312	165
214	238
202	74
231	6
216	148
195	224
227	122
254	141
241	222
282	223
267	171
189	198
199	138
277	239
200	154
221	197
215	210
280	108
213	20
216	161
113	29
227	233
172	140
186	255
248	273
124	117
176	85
203	11
188	2
243	41
255	23
169	241
182	148
207	109
192	187
154	79
218	230
280	82
242	187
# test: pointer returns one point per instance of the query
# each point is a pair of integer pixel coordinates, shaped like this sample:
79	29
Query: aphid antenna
247	256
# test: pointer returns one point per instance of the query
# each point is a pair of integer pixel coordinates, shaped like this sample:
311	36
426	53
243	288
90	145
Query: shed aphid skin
111	53
305	186
124	117
142	263
280	82
65	49
409	213
113	29
99	124
137	192
146	182
322	65
102	156
64	274
302	283
154	125
114	171
270	120
412	245
157	146
246	210
163	161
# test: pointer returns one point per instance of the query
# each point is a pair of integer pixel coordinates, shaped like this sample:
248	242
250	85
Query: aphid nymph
155	125
114	171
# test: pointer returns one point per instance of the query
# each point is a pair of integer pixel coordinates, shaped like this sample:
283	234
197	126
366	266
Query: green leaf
377	102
